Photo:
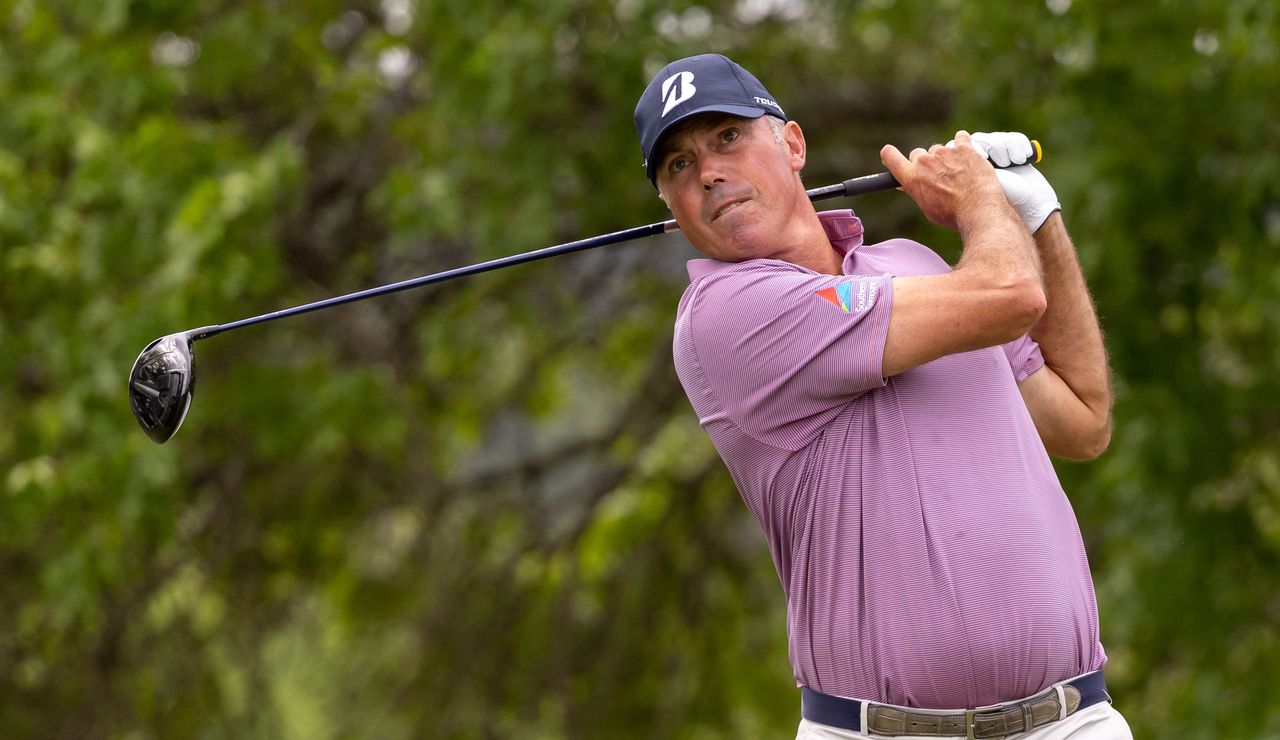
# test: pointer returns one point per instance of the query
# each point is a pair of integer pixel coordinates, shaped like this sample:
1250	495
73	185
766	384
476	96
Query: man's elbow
1088	443
1026	303
1032	304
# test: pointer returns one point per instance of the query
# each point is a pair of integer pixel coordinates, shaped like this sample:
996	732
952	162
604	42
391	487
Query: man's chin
734	241
747	241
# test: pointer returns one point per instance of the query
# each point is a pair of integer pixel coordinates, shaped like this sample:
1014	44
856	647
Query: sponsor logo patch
839	295
850	299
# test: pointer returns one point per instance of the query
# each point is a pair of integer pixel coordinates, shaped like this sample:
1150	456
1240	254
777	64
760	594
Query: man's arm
1070	397
995	294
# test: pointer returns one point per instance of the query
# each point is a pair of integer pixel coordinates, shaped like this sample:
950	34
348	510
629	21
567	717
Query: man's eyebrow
667	147
695	125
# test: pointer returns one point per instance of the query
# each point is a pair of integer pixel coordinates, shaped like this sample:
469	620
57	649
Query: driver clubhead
161	384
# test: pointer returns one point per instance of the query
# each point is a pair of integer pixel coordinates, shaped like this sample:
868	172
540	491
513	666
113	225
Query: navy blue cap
707	83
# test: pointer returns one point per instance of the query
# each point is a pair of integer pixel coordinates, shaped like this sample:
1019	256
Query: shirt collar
843	229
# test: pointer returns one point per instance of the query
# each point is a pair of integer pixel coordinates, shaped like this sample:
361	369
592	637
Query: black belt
1052	704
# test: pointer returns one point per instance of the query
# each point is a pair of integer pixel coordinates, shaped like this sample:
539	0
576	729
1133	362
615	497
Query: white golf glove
1026	189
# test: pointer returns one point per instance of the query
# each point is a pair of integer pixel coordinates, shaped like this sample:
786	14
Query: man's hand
1026	189
947	183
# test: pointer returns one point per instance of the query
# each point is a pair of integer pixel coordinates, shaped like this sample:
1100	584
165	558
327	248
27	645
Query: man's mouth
726	208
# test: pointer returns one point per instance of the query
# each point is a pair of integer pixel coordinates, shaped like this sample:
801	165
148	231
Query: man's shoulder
747	283
706	270
899	256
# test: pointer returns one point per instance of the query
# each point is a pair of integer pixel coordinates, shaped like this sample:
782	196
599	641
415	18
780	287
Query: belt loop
1062	701
862	718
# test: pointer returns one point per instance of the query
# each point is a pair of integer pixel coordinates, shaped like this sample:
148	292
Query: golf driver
163	377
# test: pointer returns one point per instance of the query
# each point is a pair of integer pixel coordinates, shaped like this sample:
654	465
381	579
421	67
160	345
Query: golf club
162	380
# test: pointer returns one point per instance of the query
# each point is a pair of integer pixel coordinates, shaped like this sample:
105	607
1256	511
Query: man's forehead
694	125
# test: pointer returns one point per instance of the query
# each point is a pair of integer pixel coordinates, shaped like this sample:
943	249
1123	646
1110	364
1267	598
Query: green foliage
484	509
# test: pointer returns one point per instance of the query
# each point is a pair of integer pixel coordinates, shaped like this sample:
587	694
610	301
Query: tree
484	508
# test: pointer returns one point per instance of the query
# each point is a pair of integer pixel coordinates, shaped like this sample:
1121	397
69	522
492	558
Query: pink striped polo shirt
928	553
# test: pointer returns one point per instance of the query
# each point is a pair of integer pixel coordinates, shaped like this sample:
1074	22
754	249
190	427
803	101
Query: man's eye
677	164
731	134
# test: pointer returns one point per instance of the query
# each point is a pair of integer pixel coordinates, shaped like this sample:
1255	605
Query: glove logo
676	90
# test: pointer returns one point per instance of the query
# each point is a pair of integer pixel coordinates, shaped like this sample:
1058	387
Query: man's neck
806	243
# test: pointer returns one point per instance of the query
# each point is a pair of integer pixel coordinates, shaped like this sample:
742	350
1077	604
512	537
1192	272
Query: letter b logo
676	90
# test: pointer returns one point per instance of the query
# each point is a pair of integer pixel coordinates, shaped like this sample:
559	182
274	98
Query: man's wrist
986	211
1052	232
1039	217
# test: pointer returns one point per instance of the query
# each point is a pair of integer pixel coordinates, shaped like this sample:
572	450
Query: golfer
888	419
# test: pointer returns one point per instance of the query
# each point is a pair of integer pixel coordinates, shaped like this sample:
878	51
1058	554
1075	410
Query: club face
161	384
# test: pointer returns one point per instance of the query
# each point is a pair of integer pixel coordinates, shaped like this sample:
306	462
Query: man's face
731	184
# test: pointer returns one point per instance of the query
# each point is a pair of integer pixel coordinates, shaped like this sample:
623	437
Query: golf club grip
886	181
869	184
856	186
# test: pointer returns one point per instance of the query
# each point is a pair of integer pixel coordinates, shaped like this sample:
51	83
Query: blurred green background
485	509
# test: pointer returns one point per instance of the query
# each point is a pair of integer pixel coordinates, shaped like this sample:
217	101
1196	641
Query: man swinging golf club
888	419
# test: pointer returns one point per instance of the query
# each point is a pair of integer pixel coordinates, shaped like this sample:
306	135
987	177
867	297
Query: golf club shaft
848	188
637	232
856	186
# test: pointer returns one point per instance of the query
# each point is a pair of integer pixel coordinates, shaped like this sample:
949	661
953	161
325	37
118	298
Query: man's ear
793	137
662	197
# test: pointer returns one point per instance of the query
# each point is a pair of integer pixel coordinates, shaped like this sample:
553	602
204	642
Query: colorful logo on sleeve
850	299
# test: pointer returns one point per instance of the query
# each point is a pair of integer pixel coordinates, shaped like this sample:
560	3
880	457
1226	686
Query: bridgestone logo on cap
676	90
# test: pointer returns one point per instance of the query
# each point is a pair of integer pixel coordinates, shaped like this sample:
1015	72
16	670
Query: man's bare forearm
1068	332
996	245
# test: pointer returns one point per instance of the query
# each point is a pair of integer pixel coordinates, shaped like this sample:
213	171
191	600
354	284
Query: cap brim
742	111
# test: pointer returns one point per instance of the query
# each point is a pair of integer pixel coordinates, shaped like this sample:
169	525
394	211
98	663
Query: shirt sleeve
785	349
1024	357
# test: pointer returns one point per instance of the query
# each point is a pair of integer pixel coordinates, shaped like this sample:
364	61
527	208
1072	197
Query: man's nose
711	170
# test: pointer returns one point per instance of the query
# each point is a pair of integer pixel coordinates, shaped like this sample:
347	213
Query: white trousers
1098	722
